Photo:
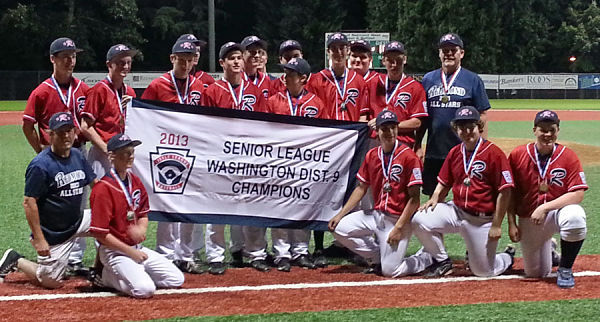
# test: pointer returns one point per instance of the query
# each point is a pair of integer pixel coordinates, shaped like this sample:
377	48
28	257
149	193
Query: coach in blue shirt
448	89
54	183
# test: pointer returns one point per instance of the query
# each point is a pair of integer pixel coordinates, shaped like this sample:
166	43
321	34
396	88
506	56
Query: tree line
501	36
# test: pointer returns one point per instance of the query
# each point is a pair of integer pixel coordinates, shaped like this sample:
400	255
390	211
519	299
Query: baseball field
339	292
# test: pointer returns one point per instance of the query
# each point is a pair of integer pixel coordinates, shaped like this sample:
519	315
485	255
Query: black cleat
304	262
260	265
188	266
284	265
237	259
440	269
216	268
319	259
9	261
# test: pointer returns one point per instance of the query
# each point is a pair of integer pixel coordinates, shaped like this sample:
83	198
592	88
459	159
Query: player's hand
125	100
136	233
495	232
41	246
420	153
395	236
432	202
334	222
514	233
539	216
372	124
138	256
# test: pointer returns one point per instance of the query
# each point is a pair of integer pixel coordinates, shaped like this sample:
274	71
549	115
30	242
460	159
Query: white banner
223	169
539	81
490	81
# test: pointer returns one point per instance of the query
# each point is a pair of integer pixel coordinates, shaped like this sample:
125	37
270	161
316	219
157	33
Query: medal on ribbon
118	97
388	95
127	192
468	164
293	108
447	85
387	168
236	100
543	170
341	91
182	99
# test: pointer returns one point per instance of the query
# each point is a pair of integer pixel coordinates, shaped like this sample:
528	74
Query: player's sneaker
555	254
440	269
373	269
95	277
8	263
511	251
304	262
76	269
319	259
188	266
237	259
260	265
216	268
284	265
564	278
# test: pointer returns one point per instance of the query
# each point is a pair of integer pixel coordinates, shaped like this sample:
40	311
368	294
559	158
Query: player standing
288	49
381	235
549	186
204	77
479	175
119	222
232	91
60	93
105	109
361	59
448	89
54	183
179	241
296	100
254	49
399	93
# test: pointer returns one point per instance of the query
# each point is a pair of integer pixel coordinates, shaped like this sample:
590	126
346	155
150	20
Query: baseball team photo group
355	186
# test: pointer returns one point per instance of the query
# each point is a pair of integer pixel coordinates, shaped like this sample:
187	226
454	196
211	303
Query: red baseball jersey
221	94
45	101
109	206
164	89
263	82
405	171
103	107
309	105
278	85
204	78
407	99
563	174
489	174
371	74
345	107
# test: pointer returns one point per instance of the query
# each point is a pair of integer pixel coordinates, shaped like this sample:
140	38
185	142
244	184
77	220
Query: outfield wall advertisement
213	165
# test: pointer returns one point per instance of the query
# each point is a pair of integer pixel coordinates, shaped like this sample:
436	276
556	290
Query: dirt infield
14	118
219	302
588	154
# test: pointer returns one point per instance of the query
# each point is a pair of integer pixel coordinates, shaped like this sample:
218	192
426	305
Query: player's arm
419	135
88	130
358	193
511	214
574	197
137	232
502	202
409	125
414	195
112	242
440	193
33	219
32	136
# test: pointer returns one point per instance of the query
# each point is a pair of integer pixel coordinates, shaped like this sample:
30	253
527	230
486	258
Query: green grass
566	310
541	104
12	105
583	132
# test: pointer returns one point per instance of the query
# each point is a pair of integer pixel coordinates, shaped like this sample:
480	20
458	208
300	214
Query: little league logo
171	168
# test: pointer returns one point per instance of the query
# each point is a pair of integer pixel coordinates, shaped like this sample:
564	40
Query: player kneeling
393	172
481	182
549	186
119	205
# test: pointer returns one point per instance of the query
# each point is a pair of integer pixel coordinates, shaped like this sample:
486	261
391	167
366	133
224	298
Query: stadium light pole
211	35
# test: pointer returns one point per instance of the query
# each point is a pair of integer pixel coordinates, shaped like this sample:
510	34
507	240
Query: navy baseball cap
60	119
62	44
228	47
118	51
121	140
337	38
386	116
450	39
466	113
546	116
192	38
360	45
184	47
394	46
289	44
251	40
298	65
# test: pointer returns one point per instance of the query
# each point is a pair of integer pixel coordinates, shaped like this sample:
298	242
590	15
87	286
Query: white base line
223	289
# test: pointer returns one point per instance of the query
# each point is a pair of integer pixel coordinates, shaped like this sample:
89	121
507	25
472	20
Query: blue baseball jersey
467	90
58	183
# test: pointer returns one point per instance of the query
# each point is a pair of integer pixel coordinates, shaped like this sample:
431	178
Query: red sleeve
32	103
502	174
271	104
150	92
445	175
363	105
415	169
576	177
363	173
92	103
261	102
144	206
419	102
206	99
101	205
207	79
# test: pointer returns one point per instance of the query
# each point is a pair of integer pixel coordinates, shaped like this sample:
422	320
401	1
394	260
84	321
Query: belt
479	213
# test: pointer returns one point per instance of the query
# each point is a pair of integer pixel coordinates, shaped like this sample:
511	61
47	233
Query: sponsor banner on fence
589	81
538	81
213	165
490	81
